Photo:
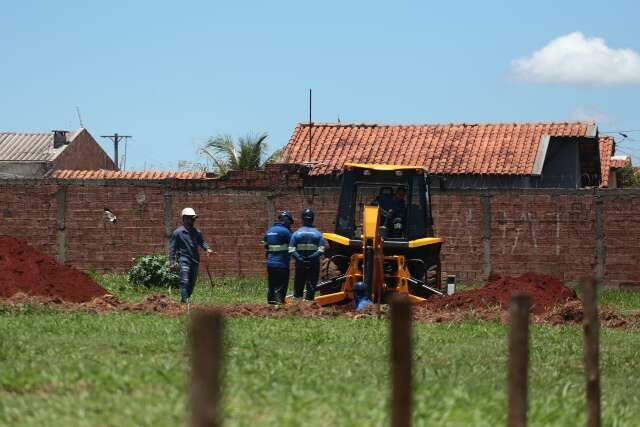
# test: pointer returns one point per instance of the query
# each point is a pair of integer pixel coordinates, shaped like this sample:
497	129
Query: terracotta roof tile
606	145
459	148
109	174
618	162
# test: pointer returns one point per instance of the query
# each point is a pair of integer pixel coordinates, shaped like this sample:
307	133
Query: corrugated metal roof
462	148
109	174
30	147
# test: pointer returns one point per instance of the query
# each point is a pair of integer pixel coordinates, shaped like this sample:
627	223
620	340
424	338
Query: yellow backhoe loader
383	240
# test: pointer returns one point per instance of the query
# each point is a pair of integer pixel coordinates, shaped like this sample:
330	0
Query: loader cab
401	192
384	239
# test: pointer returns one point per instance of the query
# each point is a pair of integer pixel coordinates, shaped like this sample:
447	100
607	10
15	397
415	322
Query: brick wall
567	233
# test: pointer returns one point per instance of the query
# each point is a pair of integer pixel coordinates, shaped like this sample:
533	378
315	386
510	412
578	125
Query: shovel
209	274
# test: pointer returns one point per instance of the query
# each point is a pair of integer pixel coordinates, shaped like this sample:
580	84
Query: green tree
629	176
249	153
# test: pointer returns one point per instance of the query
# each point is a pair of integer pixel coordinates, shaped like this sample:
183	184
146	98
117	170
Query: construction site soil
546	292
570	312
23	269
28	277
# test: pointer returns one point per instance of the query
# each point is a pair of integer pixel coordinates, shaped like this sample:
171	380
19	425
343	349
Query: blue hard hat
307	214
360	296
285	214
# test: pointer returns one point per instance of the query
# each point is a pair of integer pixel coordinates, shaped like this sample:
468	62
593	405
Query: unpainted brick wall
84	153
28	211
566	233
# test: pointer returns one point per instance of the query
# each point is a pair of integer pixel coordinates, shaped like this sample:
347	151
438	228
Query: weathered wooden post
206	368
591	325
401	362
518	360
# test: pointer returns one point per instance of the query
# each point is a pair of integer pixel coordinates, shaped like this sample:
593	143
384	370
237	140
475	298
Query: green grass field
118	369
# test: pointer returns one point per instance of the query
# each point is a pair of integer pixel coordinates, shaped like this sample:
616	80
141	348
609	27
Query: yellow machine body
382	265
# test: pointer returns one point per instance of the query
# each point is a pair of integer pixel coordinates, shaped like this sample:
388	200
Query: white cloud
587	114
577	59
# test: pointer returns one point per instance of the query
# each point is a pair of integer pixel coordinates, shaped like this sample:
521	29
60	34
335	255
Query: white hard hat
188	212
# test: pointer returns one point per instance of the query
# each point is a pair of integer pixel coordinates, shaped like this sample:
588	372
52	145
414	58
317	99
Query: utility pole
116	139
310	128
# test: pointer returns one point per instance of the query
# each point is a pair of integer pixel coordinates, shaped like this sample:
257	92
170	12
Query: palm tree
248	154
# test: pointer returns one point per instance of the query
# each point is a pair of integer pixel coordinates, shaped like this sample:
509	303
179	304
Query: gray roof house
37	155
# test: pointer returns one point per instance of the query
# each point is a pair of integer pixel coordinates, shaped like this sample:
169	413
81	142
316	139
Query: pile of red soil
546	292
26	270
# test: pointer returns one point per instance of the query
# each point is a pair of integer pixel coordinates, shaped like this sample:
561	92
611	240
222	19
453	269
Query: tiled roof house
511	155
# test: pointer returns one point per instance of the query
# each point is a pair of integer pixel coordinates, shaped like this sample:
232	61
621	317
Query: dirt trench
27	276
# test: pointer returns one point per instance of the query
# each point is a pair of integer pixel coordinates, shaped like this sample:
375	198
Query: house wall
461	182
84	153
561	165
567	233
23	169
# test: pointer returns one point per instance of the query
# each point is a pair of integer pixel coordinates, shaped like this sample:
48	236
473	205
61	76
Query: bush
152	271
629	176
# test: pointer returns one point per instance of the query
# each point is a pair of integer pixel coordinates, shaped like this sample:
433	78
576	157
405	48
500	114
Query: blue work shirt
385	201
183	245
276	243
307	242
399	208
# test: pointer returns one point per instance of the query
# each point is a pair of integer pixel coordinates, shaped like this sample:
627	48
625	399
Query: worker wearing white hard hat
183	252
189	212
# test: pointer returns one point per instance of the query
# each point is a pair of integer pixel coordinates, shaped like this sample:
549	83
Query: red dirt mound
24	269
546	292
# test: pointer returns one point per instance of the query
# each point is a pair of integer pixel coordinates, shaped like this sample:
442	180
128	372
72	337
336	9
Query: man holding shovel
183	252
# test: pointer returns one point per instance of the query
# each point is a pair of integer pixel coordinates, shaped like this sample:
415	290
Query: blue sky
174	73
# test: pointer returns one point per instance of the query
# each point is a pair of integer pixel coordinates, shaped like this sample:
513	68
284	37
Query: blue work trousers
278	279
307	275
188	277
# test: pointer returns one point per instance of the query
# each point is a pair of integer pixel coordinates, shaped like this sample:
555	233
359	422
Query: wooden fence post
401	362
206	368
518	360
591	325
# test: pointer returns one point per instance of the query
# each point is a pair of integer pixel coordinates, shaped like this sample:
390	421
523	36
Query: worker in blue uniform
399	203
276	245
361	297
306	246
184	255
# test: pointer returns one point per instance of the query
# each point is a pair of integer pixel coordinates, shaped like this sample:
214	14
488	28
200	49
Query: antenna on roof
79	116
310	127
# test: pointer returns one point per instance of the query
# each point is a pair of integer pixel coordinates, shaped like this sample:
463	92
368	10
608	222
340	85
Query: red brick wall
457	218
551	233
622	235
507	231
84	153
28	211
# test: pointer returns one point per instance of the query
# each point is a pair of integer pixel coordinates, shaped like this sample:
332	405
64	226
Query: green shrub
629	176
152	271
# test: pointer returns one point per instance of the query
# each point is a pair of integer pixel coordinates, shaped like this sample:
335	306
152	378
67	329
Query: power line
620	130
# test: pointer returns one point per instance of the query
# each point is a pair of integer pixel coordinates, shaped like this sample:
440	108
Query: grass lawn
117	369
